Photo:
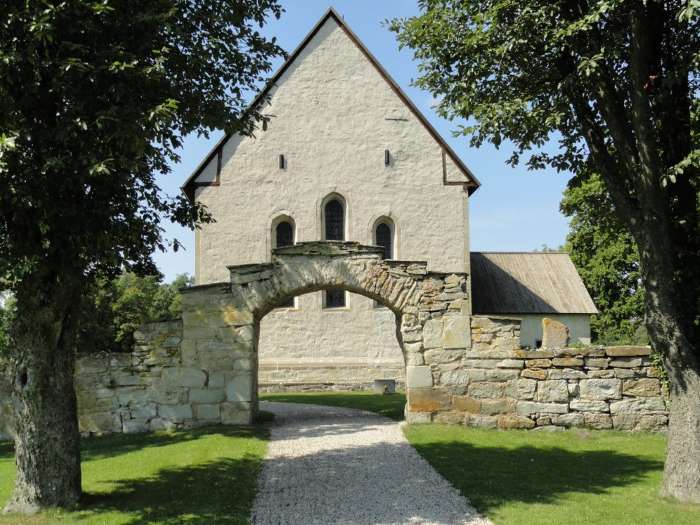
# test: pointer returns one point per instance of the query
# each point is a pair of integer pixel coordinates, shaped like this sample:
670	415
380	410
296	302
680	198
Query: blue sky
513	210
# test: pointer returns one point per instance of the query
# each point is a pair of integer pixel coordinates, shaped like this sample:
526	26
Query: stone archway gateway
460	368
221	322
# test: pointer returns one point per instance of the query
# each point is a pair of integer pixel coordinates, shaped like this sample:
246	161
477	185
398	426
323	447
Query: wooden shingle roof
527	283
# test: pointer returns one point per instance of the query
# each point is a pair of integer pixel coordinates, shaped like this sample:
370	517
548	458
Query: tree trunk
671	288
47	440
682	469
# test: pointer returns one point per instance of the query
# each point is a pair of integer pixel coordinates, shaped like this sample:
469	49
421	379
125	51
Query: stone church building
345	155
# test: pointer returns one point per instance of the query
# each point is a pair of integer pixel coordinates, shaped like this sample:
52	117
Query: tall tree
615	83
607	259
95	97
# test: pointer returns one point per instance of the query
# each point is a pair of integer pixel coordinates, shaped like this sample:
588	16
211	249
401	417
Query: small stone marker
384	386
554	334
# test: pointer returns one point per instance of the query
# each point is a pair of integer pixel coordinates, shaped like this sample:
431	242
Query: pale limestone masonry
332	115
459	369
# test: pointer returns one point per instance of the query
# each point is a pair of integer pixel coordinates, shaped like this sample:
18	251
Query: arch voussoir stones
431	313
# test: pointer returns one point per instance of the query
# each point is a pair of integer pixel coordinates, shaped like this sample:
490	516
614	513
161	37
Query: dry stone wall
497	385
459	368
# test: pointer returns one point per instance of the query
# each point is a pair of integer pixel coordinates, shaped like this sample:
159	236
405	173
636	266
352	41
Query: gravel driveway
341	466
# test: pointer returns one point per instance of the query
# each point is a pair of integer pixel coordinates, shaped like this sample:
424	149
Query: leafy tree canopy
607	259
95	98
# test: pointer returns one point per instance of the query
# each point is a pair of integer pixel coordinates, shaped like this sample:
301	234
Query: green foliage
116	308
606	256
7	312
95	99
113	309
610	86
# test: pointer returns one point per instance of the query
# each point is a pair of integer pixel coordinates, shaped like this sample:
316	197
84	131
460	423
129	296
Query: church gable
332	86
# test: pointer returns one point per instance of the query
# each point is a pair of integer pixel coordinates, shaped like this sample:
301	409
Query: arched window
384	237
283	235
334	220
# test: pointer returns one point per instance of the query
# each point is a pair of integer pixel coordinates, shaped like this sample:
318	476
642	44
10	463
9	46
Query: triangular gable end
451	162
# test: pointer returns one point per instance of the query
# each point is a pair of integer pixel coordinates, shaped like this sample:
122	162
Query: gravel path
330	466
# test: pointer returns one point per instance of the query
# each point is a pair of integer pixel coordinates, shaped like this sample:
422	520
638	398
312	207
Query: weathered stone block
492	407
449	418
626	351
486	390
554	334
210	412
208	395
486	374
521	388
135	426
636	405
645	387
587	405
538	363
417	418
175	413
455	331
239	388
427	400
481	363
567	361
597	421
626	362
419	377
432	334
573	419
596	362
566	373
99	422
552	391
600	389
466	404
534	374
183	377
455	377
474	420
512	421
236	413
625	373
527	408
440	356
511	363
601	374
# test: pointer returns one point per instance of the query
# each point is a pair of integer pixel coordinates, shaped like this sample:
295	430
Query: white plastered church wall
332	115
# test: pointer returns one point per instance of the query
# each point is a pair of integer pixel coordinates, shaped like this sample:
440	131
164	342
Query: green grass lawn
532	478
390	405
198	477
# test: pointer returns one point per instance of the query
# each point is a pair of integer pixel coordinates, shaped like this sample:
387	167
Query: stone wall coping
498	317
594	351
329	248
224	285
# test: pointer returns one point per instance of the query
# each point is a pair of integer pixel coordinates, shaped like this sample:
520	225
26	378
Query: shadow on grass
492	476
102	447
217	492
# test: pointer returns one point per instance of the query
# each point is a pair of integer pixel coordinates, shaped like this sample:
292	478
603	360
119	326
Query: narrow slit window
284	236
384	239
334	221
